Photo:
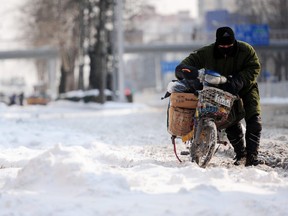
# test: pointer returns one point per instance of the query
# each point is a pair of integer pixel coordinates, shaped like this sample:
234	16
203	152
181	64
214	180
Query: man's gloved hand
186	72
233	85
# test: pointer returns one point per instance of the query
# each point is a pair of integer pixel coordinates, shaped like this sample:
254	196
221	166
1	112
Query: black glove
186	72
233	85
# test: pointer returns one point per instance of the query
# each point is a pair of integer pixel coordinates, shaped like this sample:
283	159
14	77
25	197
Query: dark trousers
235	135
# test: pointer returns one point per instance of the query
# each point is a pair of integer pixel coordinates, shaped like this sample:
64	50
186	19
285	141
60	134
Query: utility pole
120	48
81	45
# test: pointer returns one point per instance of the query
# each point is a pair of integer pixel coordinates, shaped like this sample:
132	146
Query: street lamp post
120	48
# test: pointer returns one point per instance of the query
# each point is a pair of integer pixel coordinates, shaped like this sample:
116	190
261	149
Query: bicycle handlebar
211	77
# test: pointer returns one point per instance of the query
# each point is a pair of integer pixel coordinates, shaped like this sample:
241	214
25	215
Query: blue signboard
168	66
252	34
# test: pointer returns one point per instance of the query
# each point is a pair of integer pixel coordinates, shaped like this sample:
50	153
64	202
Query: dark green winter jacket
243	61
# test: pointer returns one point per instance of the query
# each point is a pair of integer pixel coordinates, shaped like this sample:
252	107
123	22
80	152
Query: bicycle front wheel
204	143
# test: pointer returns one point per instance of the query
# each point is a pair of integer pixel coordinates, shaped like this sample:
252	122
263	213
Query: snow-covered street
74	159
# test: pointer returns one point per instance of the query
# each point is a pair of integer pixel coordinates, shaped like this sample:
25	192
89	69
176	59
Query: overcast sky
9	13
10	27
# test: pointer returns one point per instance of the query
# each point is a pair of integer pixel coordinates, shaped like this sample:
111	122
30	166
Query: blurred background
121	50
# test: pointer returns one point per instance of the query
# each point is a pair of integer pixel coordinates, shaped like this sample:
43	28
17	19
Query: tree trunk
67	79
92	75
97	76
62	84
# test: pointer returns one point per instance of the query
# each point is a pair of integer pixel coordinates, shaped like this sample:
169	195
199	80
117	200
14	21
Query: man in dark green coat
238	62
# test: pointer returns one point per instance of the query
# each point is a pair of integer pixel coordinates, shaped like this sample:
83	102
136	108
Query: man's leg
236	138
252	137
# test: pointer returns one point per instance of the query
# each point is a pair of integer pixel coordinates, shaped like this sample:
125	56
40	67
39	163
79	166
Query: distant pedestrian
12	100
129	94
21	98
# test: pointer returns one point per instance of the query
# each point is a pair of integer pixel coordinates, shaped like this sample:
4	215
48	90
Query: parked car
38	100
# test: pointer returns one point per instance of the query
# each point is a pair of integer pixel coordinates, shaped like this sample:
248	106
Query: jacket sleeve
182	74
193	63
251	67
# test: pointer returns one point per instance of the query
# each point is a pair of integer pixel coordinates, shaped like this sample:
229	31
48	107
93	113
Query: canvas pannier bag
180	114
183	100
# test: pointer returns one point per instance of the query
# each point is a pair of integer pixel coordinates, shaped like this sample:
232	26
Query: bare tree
134	10
77	28
54	23
273	12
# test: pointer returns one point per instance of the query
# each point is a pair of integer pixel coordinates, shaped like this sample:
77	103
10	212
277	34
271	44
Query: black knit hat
225	36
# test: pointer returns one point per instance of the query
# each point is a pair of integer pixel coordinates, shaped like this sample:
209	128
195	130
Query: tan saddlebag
183	100
180	113
180	121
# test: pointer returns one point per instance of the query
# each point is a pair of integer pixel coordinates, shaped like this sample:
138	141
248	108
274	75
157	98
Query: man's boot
240	152
253	134
236	138
252	160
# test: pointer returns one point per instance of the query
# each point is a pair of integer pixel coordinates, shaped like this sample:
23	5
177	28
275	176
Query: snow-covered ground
74	159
